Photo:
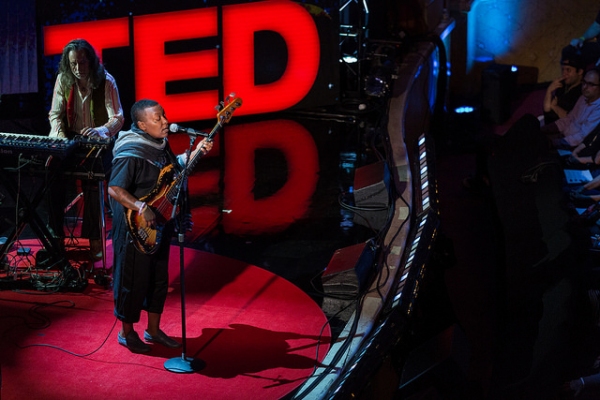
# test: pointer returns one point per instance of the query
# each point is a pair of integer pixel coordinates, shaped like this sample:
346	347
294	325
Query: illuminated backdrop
275	54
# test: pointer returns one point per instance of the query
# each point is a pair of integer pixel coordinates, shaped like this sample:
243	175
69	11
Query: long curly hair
97	72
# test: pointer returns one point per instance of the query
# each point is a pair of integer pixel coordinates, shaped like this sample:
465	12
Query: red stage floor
259	335
269	211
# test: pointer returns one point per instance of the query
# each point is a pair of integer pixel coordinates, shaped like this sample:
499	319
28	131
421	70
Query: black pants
140	281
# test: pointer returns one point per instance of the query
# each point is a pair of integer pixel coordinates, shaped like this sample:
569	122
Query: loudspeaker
350	269
371	195
498	85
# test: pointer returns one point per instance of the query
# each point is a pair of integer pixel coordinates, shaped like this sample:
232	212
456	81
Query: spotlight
464	110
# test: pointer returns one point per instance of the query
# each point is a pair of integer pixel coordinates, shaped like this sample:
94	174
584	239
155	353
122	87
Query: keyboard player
85	102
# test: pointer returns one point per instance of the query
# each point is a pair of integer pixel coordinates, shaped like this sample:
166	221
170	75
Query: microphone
178	128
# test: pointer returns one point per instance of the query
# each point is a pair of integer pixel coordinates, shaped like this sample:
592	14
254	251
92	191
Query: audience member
565	133
588	192
568	132
564	91
587	153
576	387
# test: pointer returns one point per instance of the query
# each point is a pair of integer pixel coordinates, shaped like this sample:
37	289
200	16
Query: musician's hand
205	146
88	131
149	217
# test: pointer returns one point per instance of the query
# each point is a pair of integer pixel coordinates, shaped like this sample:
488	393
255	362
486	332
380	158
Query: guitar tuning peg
218	107
232	95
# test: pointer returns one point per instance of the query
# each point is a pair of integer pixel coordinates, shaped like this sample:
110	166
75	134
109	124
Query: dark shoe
96	249
162	338
133	343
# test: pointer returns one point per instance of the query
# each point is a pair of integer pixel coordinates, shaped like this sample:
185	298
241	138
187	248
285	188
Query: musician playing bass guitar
140	279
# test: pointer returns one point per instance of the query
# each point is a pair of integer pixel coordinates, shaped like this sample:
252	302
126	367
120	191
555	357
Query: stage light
424	183
464	110
349	59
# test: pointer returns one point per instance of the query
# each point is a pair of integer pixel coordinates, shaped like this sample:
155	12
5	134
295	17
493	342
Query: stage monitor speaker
350	269
371	195
498	86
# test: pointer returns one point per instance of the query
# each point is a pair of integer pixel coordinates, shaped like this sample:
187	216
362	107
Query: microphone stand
183	364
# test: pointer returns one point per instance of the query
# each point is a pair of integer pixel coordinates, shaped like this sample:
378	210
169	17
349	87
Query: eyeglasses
584	82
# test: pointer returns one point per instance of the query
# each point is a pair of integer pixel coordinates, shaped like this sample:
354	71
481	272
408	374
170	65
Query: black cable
41	321
70	352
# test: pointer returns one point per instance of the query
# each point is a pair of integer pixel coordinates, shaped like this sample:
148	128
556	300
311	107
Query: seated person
588	193
564	91
587	153
565	133
568	132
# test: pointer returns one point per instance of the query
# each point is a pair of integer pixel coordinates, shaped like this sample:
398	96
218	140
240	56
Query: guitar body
147	239
162	197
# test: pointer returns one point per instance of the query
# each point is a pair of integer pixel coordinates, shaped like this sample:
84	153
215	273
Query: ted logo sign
234	27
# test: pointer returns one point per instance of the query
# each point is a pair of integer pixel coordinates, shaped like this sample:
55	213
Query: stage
256	335
257	312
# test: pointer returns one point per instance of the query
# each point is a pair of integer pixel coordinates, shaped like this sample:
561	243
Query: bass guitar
162	199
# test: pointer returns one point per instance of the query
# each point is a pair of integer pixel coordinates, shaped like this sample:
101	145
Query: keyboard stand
102	217
93	168
27	213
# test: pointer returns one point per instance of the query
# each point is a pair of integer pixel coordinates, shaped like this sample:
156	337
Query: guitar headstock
227	107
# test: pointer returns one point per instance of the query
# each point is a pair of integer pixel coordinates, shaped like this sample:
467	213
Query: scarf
137	143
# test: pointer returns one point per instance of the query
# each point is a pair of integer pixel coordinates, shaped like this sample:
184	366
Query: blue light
464	110
514	68
494	27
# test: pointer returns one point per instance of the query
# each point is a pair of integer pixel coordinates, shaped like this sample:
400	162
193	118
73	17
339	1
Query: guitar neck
192	163
214	131
223	116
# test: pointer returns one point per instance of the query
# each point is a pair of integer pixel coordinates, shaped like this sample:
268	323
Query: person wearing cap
588	44
563	92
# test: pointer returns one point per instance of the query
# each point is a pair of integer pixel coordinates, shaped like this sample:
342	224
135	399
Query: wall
18	47
528	33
